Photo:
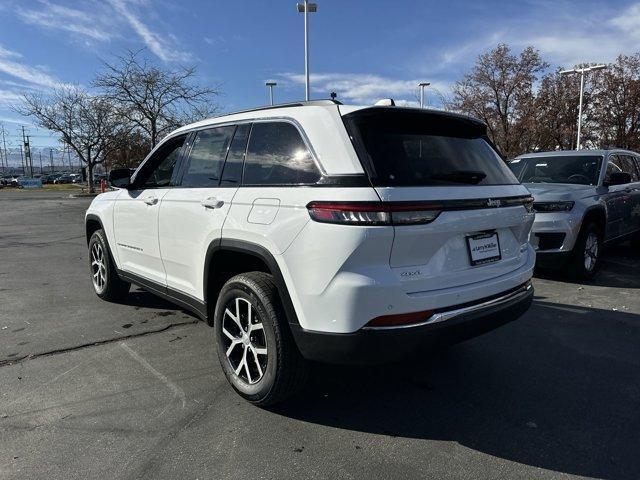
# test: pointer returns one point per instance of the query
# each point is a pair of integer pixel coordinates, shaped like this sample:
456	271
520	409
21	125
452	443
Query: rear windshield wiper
472	177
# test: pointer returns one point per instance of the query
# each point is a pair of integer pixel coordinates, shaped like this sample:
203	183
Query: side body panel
186	228
136	215
101	208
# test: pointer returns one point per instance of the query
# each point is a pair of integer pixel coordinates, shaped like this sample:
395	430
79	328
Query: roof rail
286	105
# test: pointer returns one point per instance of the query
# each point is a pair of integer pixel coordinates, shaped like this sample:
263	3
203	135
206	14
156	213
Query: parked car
62	179
583	200
10	180
50	178
318	231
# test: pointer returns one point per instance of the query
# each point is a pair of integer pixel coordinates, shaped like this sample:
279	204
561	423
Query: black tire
109	286
635	242
578	267
266	378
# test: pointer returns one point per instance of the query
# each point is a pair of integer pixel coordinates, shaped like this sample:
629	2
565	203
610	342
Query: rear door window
277	155
232	173
404	147
206	158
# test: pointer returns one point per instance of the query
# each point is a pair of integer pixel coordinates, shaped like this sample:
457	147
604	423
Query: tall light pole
581	71
306	8
422	87
271	85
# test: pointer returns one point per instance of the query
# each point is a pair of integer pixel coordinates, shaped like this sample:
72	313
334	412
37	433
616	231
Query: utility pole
5	164
51	159
24	173
306	8
581	71
40	161
29	157
28	162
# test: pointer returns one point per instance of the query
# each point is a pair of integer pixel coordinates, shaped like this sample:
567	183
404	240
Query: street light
422	85
271	85
306	8
581	71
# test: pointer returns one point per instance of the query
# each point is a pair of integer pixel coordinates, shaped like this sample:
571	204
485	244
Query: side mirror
120	177
619	178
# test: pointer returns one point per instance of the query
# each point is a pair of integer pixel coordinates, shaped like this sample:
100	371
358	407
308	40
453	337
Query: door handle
212	202
151	200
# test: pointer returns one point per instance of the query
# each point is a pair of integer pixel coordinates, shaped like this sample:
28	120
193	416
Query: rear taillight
374	213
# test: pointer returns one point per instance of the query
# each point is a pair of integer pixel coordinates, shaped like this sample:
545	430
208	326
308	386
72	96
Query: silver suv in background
583	199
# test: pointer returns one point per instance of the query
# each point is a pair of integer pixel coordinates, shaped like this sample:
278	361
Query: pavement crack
13	361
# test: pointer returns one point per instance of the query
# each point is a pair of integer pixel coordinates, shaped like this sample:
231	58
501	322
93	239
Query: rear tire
585	256
104	276
255	347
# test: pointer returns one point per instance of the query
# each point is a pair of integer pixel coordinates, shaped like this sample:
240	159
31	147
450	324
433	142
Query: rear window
408	147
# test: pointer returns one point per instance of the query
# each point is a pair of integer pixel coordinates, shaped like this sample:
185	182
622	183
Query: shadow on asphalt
140	299
556	394
619	268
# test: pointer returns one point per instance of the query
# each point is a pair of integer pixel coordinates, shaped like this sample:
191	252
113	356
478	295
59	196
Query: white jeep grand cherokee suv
318	231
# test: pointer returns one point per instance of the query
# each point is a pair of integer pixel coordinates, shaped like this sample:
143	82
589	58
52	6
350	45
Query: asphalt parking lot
96	390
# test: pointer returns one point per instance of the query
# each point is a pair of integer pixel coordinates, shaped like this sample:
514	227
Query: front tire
585	257
255	347
106	282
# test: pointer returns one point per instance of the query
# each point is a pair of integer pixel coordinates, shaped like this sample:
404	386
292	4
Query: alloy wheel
98	267
590	251
244	340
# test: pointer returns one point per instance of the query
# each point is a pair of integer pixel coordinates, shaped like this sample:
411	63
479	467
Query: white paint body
339	277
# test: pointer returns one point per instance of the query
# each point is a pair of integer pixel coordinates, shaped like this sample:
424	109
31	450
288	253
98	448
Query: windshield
581	170
408	147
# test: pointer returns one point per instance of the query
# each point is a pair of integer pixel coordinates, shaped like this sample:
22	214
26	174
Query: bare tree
617	103
499	90
87	124
156	100
129	148
557	112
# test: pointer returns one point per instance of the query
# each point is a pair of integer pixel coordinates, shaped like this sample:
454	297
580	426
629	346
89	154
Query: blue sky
362	50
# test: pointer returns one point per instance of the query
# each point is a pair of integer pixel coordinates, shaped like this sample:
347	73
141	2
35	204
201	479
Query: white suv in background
318	231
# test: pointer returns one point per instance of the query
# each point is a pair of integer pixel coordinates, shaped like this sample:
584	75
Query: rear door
620	198
445	161
136	213
634	187
192	214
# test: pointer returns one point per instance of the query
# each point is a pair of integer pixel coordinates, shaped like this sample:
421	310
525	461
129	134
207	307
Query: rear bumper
383	345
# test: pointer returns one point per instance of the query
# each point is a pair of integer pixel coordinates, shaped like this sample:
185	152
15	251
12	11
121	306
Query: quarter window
277	155
206	157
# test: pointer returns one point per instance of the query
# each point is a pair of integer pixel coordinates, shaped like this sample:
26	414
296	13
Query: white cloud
563	37
155	42
364	88
629	21
82	23
11	66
